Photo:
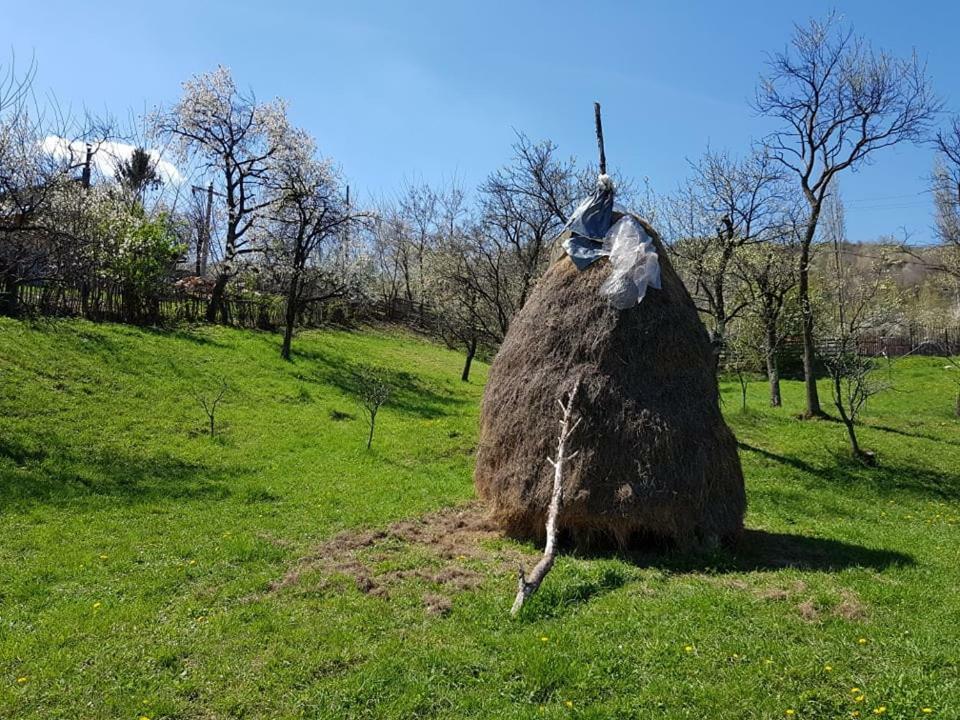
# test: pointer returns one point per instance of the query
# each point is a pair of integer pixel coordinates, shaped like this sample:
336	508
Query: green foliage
138	555
146	252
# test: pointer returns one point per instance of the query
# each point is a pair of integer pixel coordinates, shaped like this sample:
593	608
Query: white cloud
107	155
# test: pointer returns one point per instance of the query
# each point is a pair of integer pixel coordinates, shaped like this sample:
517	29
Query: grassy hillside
150	571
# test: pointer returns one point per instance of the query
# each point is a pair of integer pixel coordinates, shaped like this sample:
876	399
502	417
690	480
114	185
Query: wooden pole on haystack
527	586
599	125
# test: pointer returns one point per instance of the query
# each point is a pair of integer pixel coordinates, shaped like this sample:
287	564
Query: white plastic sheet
634	265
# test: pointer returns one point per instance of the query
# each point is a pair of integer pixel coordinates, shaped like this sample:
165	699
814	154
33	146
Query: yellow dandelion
568	703
859	698
104	557
862	641
96	605
144	717
926	710
828	668
790	711
880	710
544	638
688	648
192	562
855	713
22	679
854	690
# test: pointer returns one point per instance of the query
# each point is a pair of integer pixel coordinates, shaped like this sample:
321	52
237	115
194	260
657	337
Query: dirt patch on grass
850	607
450	551
808	610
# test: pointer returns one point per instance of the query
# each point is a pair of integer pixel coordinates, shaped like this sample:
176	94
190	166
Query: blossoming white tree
235	138
308	245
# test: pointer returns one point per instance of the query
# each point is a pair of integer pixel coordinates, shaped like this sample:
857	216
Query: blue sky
403	90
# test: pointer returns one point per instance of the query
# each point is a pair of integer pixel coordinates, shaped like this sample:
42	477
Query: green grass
137	554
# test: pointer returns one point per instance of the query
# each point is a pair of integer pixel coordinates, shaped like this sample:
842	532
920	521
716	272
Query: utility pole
205	232
346	233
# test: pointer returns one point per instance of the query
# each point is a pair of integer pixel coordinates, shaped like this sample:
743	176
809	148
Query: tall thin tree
838	102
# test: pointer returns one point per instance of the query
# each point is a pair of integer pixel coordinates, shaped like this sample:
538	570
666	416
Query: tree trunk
9	295
471	352
809	351
85	299
848	423
373	422
773	370
215	305
290	317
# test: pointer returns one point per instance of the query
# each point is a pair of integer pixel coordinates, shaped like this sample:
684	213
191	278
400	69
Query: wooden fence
262	312
910	340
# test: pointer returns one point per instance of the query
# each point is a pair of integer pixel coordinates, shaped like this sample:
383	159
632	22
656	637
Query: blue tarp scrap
633	257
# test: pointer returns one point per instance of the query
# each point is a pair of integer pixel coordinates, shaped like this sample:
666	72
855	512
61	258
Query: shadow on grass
557	597
756	551
409	394
41	471
904	433
759	551
191	334
886	477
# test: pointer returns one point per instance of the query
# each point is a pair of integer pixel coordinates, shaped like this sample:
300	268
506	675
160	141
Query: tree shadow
55	473
904	433
556	598
885	478
409	394
184	333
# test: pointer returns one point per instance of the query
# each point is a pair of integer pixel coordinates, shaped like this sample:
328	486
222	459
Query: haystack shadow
762	550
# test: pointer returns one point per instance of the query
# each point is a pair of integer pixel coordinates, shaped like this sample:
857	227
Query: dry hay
449	548
656	462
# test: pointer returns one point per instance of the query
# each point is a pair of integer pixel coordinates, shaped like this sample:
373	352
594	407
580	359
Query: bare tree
235	138
373	394
522	208
946	197
458	305
859	306
210	400
769	274
14	85
726	206
839	102
953	368
528	585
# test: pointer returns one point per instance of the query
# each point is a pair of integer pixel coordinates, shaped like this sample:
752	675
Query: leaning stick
527	586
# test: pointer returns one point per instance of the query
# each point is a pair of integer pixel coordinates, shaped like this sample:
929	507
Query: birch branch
527	586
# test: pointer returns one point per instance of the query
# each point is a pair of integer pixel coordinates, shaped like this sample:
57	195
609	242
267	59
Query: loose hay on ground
450	549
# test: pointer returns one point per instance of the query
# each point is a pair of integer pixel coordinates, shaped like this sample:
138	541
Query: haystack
656	461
